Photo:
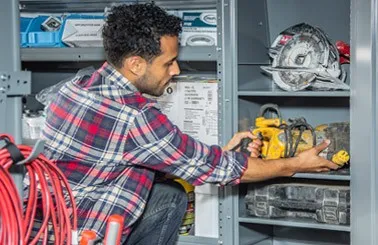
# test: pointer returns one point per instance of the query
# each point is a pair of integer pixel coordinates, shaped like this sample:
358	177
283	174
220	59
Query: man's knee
178	193
171	190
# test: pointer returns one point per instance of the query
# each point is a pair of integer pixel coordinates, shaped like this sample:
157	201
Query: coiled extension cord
48	191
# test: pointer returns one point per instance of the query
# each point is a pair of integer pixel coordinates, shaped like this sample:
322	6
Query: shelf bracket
12	84
15	83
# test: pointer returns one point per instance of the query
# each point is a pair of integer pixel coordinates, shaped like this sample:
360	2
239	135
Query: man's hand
309	161
254	147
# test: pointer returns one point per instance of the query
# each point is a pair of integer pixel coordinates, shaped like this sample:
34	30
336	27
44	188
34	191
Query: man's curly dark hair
136	30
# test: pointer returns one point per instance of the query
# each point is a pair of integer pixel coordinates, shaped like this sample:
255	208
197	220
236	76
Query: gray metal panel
331	16
375	157
364	174
227	215
193	240
265	242
315	110
10	61
251	78
252	26
254	234
298	236
9	41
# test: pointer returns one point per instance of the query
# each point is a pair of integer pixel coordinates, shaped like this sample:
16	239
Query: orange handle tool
88	238
114	229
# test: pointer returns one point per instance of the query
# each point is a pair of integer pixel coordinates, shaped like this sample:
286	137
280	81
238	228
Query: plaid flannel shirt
109	140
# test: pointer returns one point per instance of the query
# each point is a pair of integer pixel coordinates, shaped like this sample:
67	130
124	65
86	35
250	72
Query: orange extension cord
47	191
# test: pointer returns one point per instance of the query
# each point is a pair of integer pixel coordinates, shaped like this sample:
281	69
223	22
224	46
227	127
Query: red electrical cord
48	196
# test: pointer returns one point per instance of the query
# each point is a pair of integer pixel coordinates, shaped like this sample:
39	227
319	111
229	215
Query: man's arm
154	142
307	161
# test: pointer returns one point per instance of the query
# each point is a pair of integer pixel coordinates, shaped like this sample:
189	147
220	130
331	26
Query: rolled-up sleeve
154	142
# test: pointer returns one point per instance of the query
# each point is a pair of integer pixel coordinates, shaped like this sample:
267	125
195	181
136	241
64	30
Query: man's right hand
310	161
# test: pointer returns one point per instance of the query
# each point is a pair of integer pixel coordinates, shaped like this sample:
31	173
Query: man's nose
175	69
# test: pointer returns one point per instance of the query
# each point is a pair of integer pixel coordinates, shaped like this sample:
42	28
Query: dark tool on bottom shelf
322	203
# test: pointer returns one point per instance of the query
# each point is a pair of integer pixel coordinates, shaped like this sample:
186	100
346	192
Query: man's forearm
259	170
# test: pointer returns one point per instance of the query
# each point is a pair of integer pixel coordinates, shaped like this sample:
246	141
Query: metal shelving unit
234	226
252	25
54	59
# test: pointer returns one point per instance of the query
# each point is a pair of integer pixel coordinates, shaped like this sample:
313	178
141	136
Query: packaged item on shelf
305	57
45	31
45	95
192	104
199	28
83	30
32	125
314	202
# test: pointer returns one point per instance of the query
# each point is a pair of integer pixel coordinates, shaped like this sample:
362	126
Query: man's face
162	68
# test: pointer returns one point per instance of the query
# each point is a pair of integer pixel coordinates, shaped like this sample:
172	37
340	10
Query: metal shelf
294	223
295	94
343	174
194	240
97	54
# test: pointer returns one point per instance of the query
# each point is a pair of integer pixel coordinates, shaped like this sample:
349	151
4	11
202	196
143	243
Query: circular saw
303	57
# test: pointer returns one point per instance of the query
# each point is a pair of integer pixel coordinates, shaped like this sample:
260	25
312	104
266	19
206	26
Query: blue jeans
162	217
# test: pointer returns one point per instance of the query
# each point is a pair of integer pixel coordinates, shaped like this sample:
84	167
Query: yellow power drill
282	140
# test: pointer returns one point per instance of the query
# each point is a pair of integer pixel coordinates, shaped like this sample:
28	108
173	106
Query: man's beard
142	85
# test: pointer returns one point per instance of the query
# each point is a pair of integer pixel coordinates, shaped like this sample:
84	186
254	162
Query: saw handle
269	107
244	145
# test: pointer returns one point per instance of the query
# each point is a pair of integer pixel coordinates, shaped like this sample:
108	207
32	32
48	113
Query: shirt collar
108	71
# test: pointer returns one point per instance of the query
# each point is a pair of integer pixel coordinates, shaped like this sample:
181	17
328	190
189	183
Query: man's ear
136	65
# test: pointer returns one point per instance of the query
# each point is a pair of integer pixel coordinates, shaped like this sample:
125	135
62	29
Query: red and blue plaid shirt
110	140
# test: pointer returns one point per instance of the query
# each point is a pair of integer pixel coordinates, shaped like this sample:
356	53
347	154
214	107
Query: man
112	142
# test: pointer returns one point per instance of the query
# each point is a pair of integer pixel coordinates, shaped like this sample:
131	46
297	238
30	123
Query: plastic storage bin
24	28
37	37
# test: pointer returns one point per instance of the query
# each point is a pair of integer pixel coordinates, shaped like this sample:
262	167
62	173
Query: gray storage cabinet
245	30
248	29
